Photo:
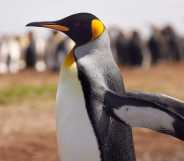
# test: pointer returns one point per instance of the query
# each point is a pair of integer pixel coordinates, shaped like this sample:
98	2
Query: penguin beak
51	25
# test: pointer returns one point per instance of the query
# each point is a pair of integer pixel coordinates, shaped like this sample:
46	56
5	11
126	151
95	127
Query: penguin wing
153	111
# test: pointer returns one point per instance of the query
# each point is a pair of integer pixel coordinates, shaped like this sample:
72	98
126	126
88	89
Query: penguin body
94	113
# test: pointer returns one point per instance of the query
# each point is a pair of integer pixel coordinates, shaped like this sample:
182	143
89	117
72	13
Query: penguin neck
101	43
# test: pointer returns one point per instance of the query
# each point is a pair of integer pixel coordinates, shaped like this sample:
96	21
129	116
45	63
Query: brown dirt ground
28	134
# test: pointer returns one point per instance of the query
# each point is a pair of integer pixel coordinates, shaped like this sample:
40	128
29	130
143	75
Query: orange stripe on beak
57	27
51	25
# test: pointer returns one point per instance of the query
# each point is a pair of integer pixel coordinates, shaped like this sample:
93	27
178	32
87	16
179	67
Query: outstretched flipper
157	112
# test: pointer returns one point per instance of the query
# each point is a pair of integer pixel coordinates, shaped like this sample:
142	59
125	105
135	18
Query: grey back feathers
96	60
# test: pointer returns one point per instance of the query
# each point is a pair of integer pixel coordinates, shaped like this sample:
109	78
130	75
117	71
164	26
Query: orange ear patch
97	28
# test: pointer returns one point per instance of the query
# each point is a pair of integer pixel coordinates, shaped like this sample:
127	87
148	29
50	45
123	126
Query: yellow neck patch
97	28
69	61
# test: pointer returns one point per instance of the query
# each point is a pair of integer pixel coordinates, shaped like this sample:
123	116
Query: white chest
76	138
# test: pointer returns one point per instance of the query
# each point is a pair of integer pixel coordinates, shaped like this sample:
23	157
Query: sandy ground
28	134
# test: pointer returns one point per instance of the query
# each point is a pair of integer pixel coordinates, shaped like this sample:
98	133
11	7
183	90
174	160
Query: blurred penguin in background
181	41
54	47
174	50
40	54
135	50
114	33
10	54
30	53
121	44
154	45
3	55
128	50
14	54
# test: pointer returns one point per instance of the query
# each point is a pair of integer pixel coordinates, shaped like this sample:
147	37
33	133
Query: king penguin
94	113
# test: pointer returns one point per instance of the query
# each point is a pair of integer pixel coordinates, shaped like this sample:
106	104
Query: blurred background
147	40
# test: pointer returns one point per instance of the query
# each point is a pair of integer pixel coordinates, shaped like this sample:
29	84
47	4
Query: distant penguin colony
94	112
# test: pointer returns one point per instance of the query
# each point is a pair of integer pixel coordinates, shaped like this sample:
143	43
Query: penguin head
80	27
